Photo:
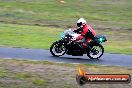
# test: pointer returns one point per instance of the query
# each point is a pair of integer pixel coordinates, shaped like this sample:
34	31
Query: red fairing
86	28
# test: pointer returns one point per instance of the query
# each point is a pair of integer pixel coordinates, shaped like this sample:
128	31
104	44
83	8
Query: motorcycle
67	45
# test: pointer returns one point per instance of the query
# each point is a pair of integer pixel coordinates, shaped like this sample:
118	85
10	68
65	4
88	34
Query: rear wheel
96	52
57	49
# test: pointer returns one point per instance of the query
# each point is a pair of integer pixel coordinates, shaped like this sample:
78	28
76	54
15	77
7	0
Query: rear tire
92	56
54	46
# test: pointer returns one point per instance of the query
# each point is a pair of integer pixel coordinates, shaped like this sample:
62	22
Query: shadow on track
73	59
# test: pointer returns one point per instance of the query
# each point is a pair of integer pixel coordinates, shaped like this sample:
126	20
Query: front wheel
57	49
95	52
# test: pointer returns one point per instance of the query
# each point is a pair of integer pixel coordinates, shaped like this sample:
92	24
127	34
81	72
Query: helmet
81	22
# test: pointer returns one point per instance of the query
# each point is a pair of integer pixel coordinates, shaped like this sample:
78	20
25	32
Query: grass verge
101	13
43	74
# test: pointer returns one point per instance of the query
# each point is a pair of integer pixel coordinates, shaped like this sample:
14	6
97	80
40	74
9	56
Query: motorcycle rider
86	31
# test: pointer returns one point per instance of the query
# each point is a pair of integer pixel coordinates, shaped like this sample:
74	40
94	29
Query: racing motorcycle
68	45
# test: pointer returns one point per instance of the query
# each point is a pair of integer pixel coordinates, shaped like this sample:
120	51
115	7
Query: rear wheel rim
97	52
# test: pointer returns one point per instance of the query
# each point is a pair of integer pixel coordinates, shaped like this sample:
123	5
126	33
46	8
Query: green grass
99	13
26	36
124	47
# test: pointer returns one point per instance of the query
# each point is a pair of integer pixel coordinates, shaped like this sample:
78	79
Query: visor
79	24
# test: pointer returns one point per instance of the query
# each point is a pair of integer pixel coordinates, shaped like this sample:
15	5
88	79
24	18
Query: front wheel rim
61	48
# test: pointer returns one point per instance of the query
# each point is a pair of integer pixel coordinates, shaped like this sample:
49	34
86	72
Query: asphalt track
40	54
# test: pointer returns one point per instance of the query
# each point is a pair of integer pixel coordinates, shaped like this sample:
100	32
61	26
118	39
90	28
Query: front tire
96	52
57	49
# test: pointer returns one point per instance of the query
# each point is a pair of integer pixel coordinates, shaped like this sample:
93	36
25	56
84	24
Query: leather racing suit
86	32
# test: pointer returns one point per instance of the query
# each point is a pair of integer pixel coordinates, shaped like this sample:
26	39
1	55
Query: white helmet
81	22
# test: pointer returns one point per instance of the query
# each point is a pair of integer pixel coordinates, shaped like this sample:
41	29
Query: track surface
39	54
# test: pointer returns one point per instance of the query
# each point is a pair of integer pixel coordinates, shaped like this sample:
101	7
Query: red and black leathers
86	32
